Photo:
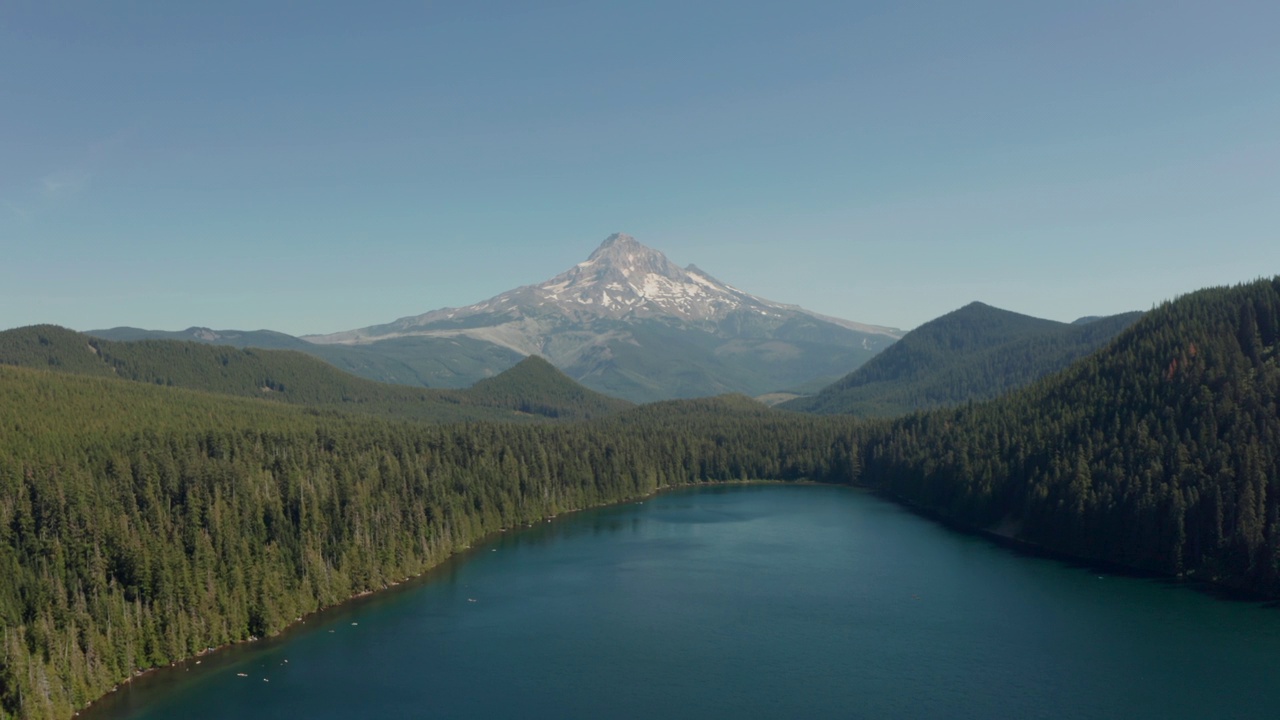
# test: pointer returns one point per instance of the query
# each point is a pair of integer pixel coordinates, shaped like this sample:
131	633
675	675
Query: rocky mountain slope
629	322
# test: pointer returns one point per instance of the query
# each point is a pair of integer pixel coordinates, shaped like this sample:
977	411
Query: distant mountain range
415	361
630	323
530	390
974	353
627	322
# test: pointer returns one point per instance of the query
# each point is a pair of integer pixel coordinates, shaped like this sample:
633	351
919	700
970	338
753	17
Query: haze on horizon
328	168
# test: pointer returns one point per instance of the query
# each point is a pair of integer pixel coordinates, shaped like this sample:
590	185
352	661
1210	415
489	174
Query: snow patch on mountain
622	280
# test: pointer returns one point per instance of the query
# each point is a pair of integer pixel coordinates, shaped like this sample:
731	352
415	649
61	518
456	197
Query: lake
758	601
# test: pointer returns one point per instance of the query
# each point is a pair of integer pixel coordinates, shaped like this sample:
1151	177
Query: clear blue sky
315	166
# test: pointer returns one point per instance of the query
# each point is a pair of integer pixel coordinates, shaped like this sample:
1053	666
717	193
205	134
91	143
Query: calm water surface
747	602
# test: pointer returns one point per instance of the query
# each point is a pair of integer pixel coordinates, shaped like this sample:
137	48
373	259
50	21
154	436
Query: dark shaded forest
1161	452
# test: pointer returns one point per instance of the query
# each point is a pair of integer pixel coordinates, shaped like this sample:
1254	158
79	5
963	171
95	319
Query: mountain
629	322
265	339
1160	451
536	387
532	389
421	361
974	353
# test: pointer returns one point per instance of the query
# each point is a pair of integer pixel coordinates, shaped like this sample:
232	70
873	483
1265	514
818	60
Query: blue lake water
746	602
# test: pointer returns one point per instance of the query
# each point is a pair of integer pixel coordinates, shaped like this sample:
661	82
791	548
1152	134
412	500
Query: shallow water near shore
745	602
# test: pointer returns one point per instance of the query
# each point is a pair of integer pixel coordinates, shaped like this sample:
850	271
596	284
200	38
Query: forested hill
448	362
142	524
535	386
530	390
1161	451
263	339
974	353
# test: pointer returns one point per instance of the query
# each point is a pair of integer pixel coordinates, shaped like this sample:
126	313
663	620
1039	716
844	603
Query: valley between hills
162	493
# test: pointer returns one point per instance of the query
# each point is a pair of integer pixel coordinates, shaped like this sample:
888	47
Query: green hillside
291	377
537	387
1160	452
974	353
417	361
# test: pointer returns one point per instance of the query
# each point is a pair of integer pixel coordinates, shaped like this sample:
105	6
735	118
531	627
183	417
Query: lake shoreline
777	600
1015	544
1219	590
403	584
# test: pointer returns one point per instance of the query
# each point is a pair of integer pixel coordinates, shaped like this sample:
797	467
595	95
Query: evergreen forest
1161	452
975	353
146	516
532	390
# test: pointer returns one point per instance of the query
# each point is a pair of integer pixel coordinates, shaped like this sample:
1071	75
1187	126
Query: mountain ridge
530	389
627	322
975	352
589	320
1160	451
603	286
416	361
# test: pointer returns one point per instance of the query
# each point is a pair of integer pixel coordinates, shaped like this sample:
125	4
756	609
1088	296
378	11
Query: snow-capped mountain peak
620	283
624	278
629	321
